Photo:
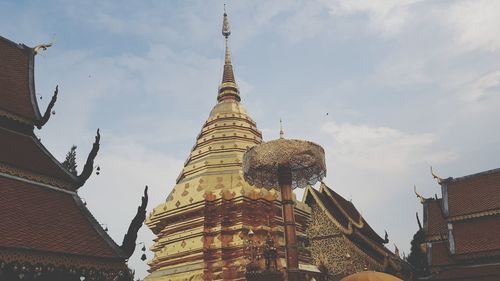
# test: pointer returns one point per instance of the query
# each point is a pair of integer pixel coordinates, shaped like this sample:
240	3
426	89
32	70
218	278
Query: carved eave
89	165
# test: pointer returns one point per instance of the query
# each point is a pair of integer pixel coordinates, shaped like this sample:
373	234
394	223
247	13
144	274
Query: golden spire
228	88
282	134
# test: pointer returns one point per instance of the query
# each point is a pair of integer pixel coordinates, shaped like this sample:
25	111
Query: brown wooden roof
17	87
440	255
42	219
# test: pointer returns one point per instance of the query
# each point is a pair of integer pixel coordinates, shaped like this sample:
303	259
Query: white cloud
381	148
386	17
476	23
485	86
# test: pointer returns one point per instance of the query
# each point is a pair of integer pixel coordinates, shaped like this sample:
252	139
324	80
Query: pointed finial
282	134
226	31
228	88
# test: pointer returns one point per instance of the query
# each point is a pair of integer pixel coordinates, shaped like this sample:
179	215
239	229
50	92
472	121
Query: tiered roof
347	218
462	227
43	222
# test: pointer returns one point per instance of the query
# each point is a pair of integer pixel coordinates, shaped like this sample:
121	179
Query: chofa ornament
305	160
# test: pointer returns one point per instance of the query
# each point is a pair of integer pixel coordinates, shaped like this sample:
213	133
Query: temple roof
17	86
29	157
342	212
38	218
481	235
436	223
474	193
489	272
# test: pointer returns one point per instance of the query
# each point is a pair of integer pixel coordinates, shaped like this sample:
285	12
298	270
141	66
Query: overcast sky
387	87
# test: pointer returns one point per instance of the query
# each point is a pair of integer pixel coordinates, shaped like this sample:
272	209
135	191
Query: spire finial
282	134
228	88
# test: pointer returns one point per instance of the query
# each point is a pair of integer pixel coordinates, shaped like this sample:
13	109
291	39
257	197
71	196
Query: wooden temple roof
43	220
38	218
474	193
342	211
25	152
17	84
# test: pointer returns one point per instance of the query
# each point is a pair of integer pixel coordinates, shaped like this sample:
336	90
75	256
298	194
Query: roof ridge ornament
420	197
44	47
439	179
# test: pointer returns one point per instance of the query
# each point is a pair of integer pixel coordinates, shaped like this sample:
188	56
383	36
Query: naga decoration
46	116
89	165
129	240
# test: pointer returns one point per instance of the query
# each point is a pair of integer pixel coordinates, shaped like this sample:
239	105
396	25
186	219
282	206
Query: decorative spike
439	179
44	47
46	115
89	165
128	244
420	197
228	88
418	221
282	134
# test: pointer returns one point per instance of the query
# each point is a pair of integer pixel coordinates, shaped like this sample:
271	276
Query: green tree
70	161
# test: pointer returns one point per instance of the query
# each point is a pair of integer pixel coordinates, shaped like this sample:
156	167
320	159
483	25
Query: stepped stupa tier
202	228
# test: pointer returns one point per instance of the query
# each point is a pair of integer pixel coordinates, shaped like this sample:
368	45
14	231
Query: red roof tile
474	193
477	235
16	76
38	218
440	254
476	273
436	224
24	152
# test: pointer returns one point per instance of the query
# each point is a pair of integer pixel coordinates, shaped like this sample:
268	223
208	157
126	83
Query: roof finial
228	87
282	134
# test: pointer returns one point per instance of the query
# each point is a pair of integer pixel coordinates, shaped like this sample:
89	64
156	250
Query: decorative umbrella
286	164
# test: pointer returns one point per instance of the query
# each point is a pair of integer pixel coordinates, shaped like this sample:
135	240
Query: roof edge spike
439	179
47	113
130	238
420	197
89	165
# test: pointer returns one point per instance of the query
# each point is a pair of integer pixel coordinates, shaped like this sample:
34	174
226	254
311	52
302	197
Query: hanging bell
143	257
143	248
98	170
53	112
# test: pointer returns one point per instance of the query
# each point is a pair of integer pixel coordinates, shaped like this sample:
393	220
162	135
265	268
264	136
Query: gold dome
370	276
